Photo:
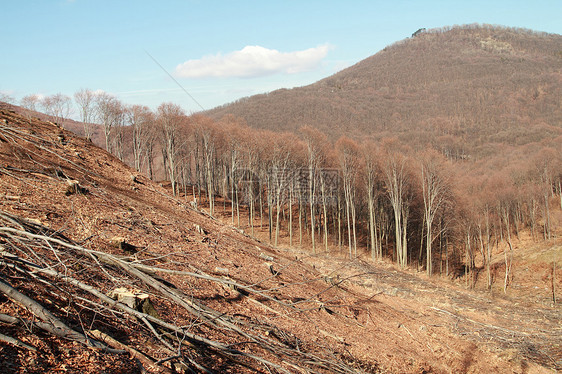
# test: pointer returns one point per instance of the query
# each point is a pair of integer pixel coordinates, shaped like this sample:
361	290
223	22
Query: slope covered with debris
103	271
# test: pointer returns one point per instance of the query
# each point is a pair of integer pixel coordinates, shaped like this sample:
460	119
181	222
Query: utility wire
174	79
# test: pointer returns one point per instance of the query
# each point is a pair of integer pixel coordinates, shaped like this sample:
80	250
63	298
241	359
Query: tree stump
135	300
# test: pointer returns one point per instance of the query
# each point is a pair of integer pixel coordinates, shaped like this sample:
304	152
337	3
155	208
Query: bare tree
6	98
57	106
208	137
280	176
396	181
252	153
486	246
140	118
31	102
108	111
434	188
119	133
545	164
370	155
148	154
315	154
170	117
348	156
85	99
505	207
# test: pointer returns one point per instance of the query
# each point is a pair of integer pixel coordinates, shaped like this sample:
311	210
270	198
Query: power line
174	79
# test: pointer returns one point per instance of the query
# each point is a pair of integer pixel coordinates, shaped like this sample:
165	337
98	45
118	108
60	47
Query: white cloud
253	61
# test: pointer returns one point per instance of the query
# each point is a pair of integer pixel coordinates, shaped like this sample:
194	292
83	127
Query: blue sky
219	51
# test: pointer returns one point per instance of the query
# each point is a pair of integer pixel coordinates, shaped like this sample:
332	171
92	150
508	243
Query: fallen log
52	323
16	342
289	356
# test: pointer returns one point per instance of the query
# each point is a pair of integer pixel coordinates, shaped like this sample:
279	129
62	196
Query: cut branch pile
37	261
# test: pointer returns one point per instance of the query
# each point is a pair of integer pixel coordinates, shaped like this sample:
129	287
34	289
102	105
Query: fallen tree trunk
52	324
16	342
50	250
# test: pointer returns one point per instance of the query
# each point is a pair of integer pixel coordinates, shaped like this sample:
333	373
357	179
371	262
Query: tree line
420	207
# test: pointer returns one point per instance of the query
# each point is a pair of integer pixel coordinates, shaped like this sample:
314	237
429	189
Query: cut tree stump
74	188
121	243
139	301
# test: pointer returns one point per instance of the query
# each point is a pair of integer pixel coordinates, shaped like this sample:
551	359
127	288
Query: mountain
470	85
102	270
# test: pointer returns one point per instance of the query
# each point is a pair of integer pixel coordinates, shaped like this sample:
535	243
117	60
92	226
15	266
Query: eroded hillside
76	224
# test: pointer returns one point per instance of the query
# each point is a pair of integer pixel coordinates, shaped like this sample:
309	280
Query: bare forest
439	154
444	164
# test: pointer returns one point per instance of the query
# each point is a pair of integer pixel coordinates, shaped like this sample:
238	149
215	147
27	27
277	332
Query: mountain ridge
460	81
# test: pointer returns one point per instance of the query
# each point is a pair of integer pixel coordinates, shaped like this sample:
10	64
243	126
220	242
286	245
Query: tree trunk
53	324
291	214
353	220
554	282
372	224
300	220
348	217
508	261
429	239
323	188
311	197
546	218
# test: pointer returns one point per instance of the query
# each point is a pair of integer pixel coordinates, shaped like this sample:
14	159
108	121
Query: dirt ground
323	313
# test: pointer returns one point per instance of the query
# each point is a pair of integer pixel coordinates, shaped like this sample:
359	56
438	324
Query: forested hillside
461	88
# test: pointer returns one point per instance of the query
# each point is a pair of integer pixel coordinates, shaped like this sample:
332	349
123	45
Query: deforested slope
103	271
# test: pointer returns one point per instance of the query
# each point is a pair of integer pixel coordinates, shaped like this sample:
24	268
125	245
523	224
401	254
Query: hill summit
476	83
